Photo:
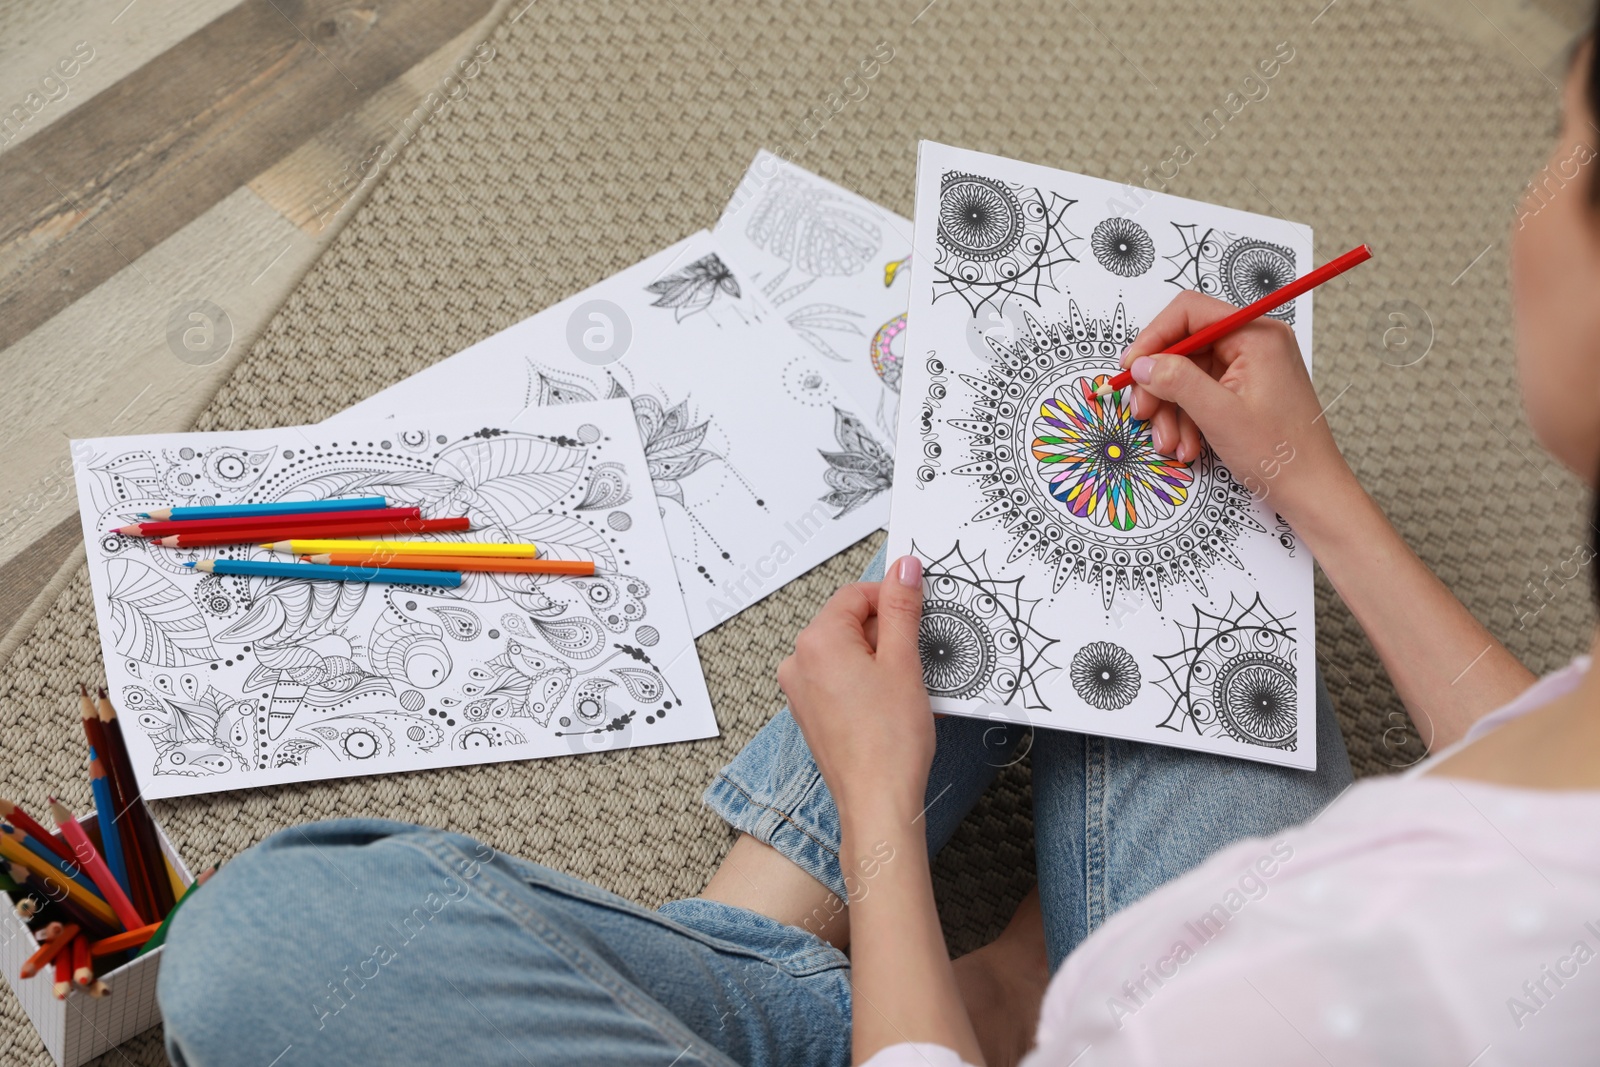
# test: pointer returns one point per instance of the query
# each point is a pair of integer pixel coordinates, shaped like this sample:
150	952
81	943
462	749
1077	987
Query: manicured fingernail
1158	437
909	571
1142	368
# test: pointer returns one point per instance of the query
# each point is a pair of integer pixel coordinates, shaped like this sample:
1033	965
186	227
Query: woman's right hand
1251	397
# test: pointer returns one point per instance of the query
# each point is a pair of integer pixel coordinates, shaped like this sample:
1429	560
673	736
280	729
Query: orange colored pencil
261	534
123	941
56	886
456	563
82	969
94	866
48	951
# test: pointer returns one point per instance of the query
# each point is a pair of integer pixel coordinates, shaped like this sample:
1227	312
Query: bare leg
756	876
1003	984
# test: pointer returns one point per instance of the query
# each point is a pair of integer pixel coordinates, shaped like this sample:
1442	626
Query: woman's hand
855	687
1249	395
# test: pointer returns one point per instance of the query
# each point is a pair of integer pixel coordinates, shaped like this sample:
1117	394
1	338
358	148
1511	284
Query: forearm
903	988
1449	670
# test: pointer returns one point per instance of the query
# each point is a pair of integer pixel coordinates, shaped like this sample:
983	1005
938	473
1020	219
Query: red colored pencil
263	534
14	814
124	790
152	861
1249	313
251	522
47	951
63	984
489	564
82	969
94	866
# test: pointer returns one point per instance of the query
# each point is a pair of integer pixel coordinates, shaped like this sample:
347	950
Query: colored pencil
90	858
48	951
314	520
267	533
302	547
56	887
63	962
14	814
69	868
160	936
82	969
314	573
99	989
1249	313
456	563
106	818
279	507
124	941
124	790
141	826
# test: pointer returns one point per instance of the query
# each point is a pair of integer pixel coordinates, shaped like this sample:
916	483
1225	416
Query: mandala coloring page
1077	578
228	682
761	464
833	264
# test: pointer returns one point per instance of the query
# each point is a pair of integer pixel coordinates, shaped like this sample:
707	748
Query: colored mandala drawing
694	288
1105	676
998	240
1101	463
1076	481
1240	270
1235	677
977	638
1123	247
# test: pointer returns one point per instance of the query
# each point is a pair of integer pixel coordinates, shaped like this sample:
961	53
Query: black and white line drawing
977	638
316	674
1240	270
1235	676
1075	480
815	231
815	322
694	288
932	450
1123	247
998	240
1285	534
859	470
1105	676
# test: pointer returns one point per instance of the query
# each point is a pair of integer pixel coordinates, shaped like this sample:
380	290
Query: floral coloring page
1076	578
833	264
762	466
227	682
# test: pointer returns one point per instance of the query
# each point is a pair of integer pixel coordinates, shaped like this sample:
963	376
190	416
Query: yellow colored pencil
408	548
46	872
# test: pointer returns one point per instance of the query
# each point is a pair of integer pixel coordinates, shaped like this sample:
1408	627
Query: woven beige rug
600	133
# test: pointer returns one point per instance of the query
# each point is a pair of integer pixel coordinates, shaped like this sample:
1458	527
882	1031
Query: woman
1451	915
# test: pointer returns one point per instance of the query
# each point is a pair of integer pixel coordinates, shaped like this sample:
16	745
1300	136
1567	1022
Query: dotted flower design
1123	247
1100	461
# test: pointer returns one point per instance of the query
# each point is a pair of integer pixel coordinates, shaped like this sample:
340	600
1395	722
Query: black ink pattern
859	471
998	240
1123	247
977	638
1235	677
1240	270
1105	675
694	288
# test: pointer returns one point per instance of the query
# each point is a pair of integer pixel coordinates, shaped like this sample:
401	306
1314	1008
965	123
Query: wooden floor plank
92	192
23	577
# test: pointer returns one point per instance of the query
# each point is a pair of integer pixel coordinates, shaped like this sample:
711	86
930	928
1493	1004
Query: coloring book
1076	578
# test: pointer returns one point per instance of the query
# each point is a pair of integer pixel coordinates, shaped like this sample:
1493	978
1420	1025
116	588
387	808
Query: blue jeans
368	941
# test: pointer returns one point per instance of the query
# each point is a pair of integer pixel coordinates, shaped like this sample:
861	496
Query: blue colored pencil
70	870
106	816
281	507
322	572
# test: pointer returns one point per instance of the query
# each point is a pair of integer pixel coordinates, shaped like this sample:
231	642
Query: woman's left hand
855	687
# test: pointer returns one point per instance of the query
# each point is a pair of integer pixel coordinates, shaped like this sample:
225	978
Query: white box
78	1029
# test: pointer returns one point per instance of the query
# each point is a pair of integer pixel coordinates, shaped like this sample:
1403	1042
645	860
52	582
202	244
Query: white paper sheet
762	464
833	265
1076	579
228	682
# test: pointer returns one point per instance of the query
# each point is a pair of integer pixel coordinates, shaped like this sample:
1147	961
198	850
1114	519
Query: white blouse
1416	920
